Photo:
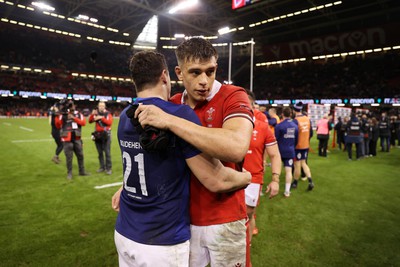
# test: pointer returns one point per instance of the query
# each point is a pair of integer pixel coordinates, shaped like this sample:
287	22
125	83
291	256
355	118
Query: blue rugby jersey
286	133
154	204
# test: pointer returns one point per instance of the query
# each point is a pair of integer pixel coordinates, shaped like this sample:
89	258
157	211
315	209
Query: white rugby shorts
132	254
220	244
252	194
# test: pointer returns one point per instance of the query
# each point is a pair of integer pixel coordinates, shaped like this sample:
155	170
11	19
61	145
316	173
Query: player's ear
178	72
164	76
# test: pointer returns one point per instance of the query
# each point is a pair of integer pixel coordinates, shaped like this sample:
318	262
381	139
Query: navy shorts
287	162
301	154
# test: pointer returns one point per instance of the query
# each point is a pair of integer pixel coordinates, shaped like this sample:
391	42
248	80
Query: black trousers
57	138
323	145
71	148
349	150
104	152
372	147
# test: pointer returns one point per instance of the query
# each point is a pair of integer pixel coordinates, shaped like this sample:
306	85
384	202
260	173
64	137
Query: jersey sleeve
269	137
237	104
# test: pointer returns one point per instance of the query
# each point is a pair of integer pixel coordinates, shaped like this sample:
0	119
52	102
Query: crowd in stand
370	75
23	46
37	107
61	83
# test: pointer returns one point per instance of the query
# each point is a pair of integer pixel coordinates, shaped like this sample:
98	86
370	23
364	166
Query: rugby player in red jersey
218	220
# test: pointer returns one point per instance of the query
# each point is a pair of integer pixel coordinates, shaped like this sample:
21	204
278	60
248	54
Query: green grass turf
350	219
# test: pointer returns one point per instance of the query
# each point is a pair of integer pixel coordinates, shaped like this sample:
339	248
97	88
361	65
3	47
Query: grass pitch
350	219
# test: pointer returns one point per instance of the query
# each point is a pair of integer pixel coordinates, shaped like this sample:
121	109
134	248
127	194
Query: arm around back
229	143
216	177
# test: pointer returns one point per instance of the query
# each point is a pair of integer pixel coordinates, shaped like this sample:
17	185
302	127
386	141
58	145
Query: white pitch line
7	123
31	140
107	185
26	129
37	140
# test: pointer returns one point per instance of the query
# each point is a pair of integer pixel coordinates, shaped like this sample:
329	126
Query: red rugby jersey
260	116
207	208
254	160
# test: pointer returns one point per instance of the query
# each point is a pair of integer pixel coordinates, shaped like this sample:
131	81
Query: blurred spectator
353	136
323	129
340	129
384	132
374	132
55	132
102	135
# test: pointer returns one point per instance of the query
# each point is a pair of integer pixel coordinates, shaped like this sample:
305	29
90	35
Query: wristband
274	173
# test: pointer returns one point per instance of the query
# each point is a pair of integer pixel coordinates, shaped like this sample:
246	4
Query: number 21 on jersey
139	160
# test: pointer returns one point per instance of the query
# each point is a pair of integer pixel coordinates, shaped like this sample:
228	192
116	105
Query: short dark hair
298	106
287	112
146	68
251	94
195	48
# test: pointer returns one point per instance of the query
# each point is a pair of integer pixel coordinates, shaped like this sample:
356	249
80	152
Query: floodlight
82	17
223	30
43	6
183	5
179	35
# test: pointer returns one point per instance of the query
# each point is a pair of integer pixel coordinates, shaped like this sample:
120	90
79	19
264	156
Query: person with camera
55	133
70	122
102	135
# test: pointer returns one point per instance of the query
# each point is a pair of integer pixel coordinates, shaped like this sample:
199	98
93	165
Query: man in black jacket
384	132
353	136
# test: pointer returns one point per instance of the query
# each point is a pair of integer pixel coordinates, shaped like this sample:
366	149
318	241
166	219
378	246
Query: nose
203	79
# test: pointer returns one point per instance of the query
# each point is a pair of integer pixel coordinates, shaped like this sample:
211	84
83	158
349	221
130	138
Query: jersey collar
214	90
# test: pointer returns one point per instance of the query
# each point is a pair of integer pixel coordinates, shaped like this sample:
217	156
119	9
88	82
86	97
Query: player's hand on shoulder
153	116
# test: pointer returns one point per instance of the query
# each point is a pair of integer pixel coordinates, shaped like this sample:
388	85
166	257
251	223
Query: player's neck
153	92
191	103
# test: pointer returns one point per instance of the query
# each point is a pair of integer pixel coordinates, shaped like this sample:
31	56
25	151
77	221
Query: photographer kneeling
102	135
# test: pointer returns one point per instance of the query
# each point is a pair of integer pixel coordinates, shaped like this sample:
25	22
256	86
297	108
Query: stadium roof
267	21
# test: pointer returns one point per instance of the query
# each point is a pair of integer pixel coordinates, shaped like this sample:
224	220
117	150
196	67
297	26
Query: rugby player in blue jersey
153	227
286	133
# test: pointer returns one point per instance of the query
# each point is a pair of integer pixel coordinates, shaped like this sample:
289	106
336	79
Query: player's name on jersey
130	144
291	133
